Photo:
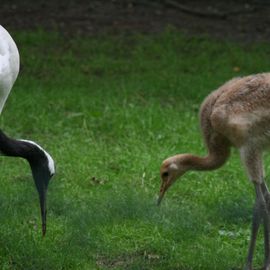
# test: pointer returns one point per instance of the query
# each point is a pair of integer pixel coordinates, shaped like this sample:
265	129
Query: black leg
266	223
256	221
252	159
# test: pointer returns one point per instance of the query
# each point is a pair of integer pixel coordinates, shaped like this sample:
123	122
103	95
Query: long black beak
42	201
42	182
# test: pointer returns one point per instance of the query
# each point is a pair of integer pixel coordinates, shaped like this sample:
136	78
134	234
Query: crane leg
260	212
256	221
266	222
252	159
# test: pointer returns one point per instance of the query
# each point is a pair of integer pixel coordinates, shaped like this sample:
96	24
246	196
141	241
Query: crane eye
165	174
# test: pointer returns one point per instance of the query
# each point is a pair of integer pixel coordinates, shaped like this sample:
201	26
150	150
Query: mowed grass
109	110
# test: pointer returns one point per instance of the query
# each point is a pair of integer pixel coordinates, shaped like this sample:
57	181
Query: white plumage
50	159
9	65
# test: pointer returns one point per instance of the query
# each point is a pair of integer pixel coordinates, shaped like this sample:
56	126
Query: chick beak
163	189
160	198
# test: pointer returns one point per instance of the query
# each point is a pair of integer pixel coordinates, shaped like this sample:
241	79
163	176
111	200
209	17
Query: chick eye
165	174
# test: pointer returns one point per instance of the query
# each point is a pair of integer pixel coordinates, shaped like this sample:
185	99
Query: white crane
40	161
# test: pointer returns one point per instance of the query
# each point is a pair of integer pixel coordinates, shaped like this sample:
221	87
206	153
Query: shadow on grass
125	228
113	229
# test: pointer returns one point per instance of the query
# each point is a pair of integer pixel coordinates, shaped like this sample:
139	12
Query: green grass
109	110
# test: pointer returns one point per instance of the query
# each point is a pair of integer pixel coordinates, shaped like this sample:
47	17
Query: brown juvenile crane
235	115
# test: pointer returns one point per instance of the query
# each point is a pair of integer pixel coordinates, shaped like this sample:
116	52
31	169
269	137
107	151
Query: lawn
109	110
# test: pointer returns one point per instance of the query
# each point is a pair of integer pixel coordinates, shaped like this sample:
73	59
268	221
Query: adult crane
236	114
40	161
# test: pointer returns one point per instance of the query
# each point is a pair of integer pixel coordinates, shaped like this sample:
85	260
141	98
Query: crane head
43	169
42	176
41	163
171	169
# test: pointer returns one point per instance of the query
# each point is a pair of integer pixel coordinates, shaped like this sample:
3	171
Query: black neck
19	148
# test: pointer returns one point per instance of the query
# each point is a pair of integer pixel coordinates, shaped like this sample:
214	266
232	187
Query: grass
109	110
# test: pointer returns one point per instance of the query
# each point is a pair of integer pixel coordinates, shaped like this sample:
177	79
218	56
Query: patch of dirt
240	20
126	260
